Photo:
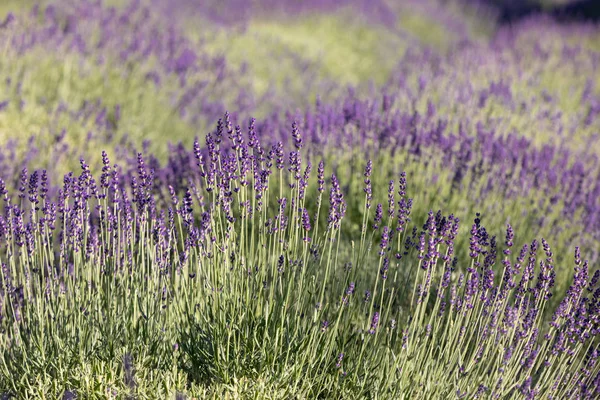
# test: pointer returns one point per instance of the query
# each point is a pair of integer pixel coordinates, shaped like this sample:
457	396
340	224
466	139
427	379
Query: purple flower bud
378	216
278	153
337	205
350	290
23	183
296	135
69	395
374	323
303	184
252	138
294	162
3	191
385	239
391	200
422	248
280	263
33	188
306	223
367	189
43	186
321	176
509	239
187	202
384	268
10	17
185	61
402	184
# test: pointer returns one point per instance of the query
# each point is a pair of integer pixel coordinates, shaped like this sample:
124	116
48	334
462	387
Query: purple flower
3	191
374	323
367	189
277	153
252	138
294	168
303	184
337	205
69	395
23	183
402	184
10	17
385	239
321	176
384	268
349	292
378	216
296	136
391	200
33	188
306	223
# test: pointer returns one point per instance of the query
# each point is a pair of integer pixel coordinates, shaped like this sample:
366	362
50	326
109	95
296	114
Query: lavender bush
235	280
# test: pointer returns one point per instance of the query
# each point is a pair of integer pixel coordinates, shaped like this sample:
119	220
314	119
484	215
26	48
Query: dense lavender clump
218	282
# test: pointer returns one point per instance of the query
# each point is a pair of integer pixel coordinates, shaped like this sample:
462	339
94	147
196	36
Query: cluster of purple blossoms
132	228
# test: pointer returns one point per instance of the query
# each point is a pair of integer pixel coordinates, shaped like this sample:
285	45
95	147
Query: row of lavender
133	36
519	60
564	184
242	279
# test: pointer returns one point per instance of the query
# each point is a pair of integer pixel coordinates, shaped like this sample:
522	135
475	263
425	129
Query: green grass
16	6
48	80
310	51
427	30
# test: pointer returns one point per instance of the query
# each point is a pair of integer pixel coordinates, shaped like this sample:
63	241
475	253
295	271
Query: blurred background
247	56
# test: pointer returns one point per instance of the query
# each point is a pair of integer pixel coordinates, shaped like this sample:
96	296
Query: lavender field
318	199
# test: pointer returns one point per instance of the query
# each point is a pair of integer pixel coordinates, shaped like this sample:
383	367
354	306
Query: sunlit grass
351	52
16	6
48	81
427	30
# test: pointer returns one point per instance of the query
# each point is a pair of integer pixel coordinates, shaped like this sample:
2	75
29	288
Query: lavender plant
233	280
